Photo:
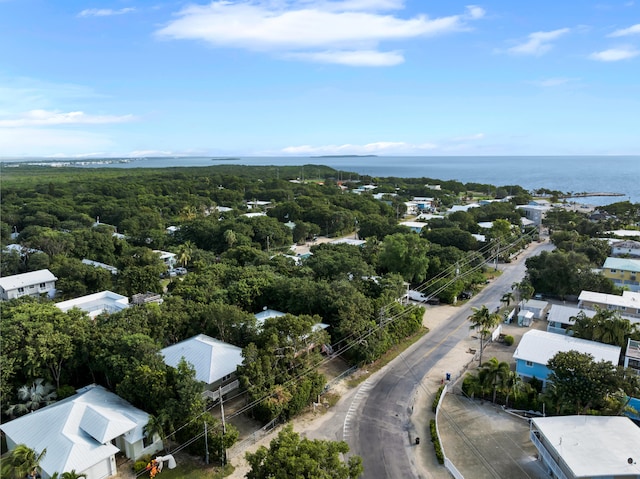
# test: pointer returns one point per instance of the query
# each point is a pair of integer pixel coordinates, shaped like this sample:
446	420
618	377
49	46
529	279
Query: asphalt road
378	423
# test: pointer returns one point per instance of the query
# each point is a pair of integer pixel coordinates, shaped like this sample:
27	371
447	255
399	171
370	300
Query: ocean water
577	174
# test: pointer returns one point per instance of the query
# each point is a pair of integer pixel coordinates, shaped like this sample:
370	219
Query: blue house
536	348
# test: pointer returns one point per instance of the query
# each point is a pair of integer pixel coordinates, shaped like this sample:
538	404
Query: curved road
378	423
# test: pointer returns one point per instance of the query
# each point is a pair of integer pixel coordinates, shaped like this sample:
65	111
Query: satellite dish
264	308
630	460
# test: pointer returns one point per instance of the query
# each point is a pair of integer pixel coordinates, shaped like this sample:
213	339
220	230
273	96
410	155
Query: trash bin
448	376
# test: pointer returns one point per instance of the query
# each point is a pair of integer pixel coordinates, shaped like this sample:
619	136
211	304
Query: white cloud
362	58
384	147
552	82
615	54
347	32
104	12
48	118
623	32
538	43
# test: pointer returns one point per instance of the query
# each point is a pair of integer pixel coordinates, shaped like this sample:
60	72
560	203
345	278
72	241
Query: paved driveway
484	442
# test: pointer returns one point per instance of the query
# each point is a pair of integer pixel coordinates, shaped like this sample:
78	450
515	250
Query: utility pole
206	444
223	457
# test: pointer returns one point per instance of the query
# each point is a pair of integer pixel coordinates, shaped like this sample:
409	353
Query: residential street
382	417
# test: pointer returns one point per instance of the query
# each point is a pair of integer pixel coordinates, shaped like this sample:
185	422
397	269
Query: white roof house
628	247
96	303
455	208
265	314
349	241
594	447
628	304
98	264
262	316
415	226
33	283
83	432
540	346
168	258
560	317
213	360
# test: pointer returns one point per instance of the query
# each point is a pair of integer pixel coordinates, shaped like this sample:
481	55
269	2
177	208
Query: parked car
417	296
180	270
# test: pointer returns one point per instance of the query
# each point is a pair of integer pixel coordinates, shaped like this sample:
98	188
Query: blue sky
305	77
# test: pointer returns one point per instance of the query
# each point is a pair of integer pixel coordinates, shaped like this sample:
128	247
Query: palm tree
32	396
68	475
230	237
494	374
22	461
483	320
507	298
513	384
185	251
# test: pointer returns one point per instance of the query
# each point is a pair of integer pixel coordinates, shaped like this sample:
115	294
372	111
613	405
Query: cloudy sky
305	77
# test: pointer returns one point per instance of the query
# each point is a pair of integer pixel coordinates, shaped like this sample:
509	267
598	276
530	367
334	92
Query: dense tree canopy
289	456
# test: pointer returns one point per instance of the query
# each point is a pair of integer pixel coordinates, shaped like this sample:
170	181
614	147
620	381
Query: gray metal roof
540	346
16	281
211	358
77	431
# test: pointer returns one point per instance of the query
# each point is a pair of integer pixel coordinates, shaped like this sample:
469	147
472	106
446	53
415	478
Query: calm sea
615	174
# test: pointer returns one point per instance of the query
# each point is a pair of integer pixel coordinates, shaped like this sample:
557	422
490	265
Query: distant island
225	159
345	156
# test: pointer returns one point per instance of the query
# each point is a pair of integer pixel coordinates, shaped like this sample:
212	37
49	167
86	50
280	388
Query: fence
241	446
447	463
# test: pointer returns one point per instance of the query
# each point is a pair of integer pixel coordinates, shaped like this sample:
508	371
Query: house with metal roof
33	283
624	272
214	361
594	447
560	318
415	226
628	304
98	264
536	348
96	303
84	432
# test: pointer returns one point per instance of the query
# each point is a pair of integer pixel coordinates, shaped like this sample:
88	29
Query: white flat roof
96	303
535	304
629	299
594	446
413	224
540	346
349	241
26	279
625	233
563	314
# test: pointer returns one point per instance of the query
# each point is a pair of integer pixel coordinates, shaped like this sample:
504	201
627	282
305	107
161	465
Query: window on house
529	364
225	378
20	290
146	441
42	285
614	270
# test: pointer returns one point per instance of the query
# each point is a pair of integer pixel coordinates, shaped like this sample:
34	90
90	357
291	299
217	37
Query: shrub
436	400
508	340
141	463
436	442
